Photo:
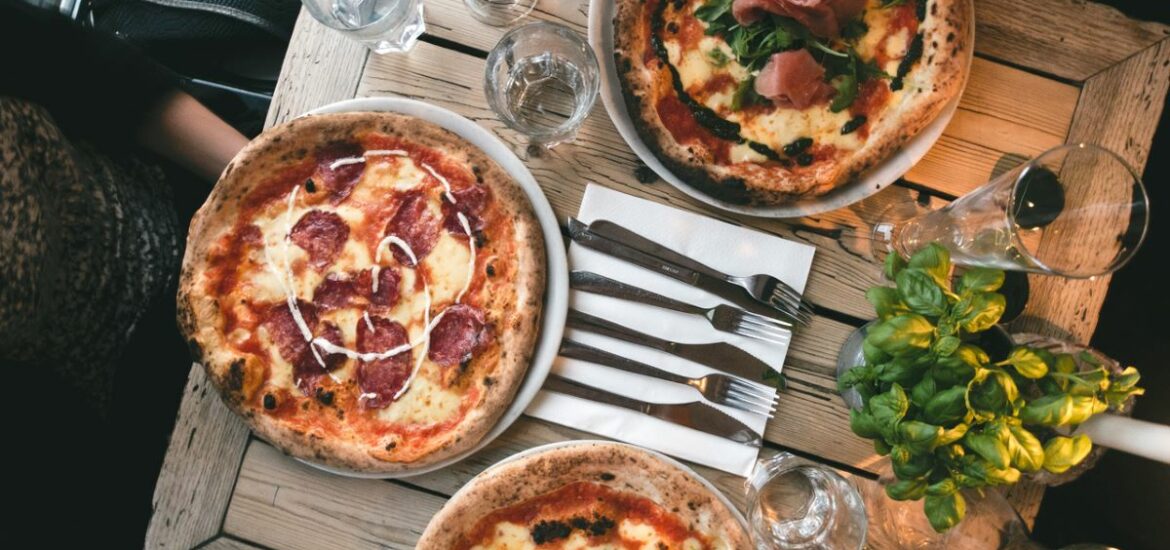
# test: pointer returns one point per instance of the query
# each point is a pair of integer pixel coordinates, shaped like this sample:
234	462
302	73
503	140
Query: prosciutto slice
793	79
824	18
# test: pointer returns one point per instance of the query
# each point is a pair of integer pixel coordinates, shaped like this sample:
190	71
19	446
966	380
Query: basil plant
947	415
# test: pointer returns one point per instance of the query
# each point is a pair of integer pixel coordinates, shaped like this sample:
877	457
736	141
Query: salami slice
414	224
461	332
340	169
283	330
336	291
379	380
322	234
470	201
307	371
387	294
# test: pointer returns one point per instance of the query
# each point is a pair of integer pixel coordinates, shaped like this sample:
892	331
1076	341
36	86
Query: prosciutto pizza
766	101
585	495
364	289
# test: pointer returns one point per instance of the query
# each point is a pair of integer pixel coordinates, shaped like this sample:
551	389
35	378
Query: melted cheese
426	402
447	263
783	126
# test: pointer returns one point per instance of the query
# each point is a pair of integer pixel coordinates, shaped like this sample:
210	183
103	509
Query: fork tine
750	389
760	320
738	403
765	335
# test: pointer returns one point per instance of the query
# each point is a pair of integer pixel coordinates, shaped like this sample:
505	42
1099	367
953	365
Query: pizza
763	102
364	289
585	495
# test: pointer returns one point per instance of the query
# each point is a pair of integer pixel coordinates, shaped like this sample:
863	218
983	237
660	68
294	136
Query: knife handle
614	232
563	385
599	284
576	350
582	234
597	325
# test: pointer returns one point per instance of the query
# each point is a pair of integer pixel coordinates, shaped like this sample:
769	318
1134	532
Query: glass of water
542	79
499	13
385	26
797	504
1077	210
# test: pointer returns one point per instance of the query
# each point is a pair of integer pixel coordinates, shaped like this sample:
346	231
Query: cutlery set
768	310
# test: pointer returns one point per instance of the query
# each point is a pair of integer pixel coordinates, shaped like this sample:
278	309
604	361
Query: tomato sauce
681	123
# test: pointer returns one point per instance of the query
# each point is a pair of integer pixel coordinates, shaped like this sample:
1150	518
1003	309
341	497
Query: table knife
720	356
614	240
694	415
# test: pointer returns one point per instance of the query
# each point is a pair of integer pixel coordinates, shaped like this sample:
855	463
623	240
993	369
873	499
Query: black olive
853	124
804	159
798	146
310	186
269	401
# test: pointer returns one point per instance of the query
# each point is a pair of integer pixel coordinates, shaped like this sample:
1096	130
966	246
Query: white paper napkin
728	248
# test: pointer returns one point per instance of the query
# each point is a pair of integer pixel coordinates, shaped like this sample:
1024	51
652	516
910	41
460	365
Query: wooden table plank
199	469
282	503
321	66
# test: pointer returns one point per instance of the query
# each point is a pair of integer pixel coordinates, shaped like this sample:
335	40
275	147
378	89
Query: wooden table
1045	72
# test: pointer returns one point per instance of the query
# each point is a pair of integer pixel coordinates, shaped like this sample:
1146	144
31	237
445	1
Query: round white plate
550	446
556	301
870	182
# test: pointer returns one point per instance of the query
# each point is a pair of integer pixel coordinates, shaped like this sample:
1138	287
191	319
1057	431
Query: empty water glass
799	505
542	79
499	13
384	26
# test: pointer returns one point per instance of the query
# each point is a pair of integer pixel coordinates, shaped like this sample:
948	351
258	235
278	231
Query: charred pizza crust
514	313
616	466
940	73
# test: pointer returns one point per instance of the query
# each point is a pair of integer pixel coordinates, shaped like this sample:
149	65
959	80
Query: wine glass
797	504
1077	210
384	26
499	13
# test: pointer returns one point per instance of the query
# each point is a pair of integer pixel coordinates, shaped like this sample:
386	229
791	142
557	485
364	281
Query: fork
716	388
722	317
762	288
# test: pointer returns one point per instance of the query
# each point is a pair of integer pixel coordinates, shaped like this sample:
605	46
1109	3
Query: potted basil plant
951	418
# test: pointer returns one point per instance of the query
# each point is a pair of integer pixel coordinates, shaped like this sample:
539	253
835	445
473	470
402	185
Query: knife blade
692	415
720	356
614	240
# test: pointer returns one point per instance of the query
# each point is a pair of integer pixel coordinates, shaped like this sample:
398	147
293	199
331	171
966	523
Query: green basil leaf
952	435
906	370
984	311
889	407
873	355
946	406
945	511
863	424
901	334
881	447
1126	380
1061	409
1023	447
919	437
855	376
1027	362
993	394
846	86
1062	453
906	489
923	391
886	301
718	58
981	279
935	260
989	447
921	293
895	263
947	345
909	465
1065	363
977	467
942	488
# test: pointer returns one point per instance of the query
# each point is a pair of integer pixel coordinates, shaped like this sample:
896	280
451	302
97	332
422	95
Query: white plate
870	182
556	301
550	446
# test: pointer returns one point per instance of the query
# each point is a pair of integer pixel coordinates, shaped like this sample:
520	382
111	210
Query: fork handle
576	350
614	232
593	283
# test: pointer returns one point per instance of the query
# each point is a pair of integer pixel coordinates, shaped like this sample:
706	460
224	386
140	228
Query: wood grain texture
1119	109
199	470
321	66
1071	39
228	543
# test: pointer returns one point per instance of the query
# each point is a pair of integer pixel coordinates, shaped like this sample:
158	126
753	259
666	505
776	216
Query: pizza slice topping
824	18
322	234
382	380
416	226
459	333
338	169
793	79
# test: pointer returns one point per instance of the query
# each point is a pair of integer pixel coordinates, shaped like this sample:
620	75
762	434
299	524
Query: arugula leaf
745	94
713	10
718	58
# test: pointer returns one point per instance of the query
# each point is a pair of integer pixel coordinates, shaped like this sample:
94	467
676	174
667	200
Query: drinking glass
499	13
796	504
1077	210
542	79
384	26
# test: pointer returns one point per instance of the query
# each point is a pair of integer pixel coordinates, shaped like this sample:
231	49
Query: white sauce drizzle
374	271
371	153
366	318
471	260
442	180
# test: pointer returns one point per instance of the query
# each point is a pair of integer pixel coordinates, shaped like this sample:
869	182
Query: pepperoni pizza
364	289
585	495
767	101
